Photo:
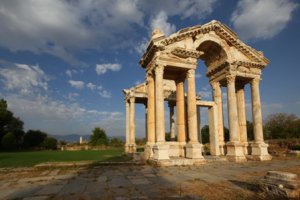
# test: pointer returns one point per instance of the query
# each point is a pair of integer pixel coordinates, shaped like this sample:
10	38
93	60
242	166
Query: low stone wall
83	147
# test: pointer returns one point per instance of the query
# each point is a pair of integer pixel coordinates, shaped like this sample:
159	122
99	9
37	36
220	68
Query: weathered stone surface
282	184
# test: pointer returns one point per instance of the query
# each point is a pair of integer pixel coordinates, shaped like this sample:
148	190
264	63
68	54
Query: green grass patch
31	158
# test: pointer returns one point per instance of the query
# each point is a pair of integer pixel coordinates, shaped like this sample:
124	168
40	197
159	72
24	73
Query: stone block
235	152
281	184
161	152
259	151
194	151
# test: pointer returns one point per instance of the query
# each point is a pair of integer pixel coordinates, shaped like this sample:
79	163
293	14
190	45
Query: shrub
49	143
9	141
295	148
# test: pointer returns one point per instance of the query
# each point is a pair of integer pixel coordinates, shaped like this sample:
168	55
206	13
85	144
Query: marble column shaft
232	109
132	120
256	112
151	110
172	122
159	105
191	104
240	95
180	111
217	96
127	123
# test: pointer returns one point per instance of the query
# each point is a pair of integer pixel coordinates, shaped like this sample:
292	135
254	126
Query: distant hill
72	138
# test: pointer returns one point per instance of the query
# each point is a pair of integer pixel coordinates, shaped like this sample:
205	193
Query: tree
9	141
34	138
9	123
205	134
98	137
281	125
250	133
49	143
116	142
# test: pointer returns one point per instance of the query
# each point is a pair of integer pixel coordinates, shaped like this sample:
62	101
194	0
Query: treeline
13	136
99	138
276	126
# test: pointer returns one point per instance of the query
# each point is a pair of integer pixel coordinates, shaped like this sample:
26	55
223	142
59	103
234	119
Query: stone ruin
171	61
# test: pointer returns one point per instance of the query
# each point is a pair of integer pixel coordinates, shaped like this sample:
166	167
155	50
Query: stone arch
215	49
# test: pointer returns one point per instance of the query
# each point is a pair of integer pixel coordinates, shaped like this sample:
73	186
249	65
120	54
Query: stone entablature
230	63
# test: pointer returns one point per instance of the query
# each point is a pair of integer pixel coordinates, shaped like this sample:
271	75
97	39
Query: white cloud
198	75
262	19
105	94
141	47
103	68
56	117
72	96
77	84
91	86
24	78
161	21
69	73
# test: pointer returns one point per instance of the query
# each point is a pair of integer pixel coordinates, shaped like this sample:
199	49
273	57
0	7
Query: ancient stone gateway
171	61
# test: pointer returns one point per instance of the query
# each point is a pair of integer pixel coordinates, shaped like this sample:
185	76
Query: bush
49	143
9	141
34	138
116	142
295	148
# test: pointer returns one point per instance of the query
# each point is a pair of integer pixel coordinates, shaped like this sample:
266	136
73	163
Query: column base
161	152
131	148
194	151
245	144
221	147
148	151
235	152
260	151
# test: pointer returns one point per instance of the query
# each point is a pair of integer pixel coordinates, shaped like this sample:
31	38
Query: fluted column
259	150
191	102
127	126
193	148
159	105
240	95
199	125
180	107
256	112
217	96
132	124
151	110
172	122
232	109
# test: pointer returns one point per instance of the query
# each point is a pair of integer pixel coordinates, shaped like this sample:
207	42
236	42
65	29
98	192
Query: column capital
255	81
215	84
190	73
132	99
159	69
230	78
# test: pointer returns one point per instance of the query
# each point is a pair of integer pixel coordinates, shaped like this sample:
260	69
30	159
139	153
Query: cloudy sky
63	64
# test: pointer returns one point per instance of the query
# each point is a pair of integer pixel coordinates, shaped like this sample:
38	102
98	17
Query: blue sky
63	64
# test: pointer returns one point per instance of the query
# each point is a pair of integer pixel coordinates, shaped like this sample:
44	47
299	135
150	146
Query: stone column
148	153
213	131
180	111
240	97
146	123
161	149
217	96
132	125
199	125
172	121
127	127
151	110
193	148
259	148
235	151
